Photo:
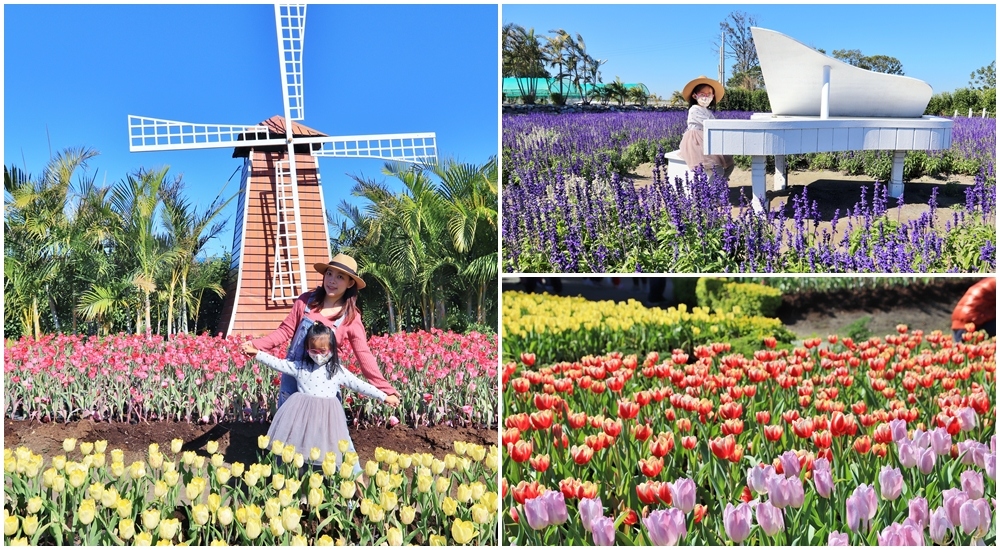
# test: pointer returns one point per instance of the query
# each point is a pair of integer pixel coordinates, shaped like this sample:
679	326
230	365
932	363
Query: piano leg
896	183
780	172
757	175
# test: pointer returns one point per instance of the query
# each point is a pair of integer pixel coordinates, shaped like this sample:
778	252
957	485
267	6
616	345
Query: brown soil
237	440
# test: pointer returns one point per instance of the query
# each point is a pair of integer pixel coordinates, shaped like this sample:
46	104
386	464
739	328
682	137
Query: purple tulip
590	508
823	479
919	511
861	507
975	517
952	500
921	439
757	478
973	452
780	490
908	456
925	463
940	525
990	460
972	483
737	521
666	527
682	493
898	428
966	418
837	538
770	518
790	463
555	507
907	534
536	513
603	531
993	444
941	441
890	481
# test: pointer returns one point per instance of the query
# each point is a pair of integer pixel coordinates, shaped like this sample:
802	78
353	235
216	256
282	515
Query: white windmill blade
156	134
414	147
290	20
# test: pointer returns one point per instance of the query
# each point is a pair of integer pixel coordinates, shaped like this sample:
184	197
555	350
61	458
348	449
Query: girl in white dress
702	93
314	416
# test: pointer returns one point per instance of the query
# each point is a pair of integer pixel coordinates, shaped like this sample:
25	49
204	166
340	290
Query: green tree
739	47
523	58
984	78
617	91
877	63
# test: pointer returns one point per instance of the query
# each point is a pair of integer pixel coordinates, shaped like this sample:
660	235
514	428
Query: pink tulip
790	463
898	428
757	478
966	418
972	452
737	521
666	527
890	481
770	518
975	517
536	513
921	439
907	453
972	484
603	530
823	477
590	508
861	507
990	460
837	538
555	507
940	525
953	500
682	492
925	463
907	534
918	511
941	441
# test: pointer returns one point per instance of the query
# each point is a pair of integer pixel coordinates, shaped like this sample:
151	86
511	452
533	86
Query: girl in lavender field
702	93
313	416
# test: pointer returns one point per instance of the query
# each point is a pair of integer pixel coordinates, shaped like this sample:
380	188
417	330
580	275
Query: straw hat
717	87
344	264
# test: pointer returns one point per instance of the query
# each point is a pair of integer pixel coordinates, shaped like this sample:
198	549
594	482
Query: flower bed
442	378
889	441
89	496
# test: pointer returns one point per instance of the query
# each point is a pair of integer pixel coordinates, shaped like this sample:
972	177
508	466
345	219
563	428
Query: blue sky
72	74
665	46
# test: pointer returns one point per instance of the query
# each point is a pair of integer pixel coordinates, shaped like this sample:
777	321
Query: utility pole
722	58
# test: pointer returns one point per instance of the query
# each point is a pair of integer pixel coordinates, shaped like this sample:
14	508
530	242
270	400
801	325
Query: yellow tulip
137	470
491	501
329	465
290	518
194	489
343	445
214	501
251	477
124	507
154	449
391	457
477	452
222	475
77	477
371	467
274	525
263	441
99	459
272	507
449	506
11	524
315	498
19	541
347	489
288	455
424	483
169	528
265	470
285	497
199	462
160	488
450	461
101	445
117	469
126	528
150	519
389	501
382	479
407	514
218	460
59	462
442	484
200	514
346	471
325	540
217	542
171	477
143	539
212	447
117	455
405	461
86	511
315	480
277	481
176	445
314	454
376	514
34	504
341	542
58	484
394	537
426	459
463	531
478	490
464	494
30	525
395	480
437	466
480	514
187	457
461	447
155	460
293	484
86	447
237	469
225	515
254	527
298	540
277	447
438	540
366	506
463	463
379	454
351	458
69	444
109	497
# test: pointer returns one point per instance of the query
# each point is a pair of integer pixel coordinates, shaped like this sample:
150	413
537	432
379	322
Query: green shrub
685	290
858	330
751	298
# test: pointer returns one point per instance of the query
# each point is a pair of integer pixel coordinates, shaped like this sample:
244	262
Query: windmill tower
281	223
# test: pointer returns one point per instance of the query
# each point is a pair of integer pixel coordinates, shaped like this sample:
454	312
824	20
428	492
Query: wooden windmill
281	224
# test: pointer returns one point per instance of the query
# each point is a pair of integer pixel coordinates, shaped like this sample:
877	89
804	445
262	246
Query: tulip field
830	441
570	206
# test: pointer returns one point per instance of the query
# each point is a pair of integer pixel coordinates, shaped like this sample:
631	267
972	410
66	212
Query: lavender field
570	206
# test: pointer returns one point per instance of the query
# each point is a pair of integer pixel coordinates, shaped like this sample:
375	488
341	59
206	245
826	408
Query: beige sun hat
344	264
717	87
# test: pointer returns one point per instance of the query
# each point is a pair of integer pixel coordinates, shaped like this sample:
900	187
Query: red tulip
539	463
526	491
576	420
822	439
521	385
662	444
519	421
651	467
541	420
763	417
773	433
647	491
528	359
641	432
510	436
616	383
689	442
520	451
731	410
723	447
546	402
569	487
883	434
612	427
628	410
684	424
803	427
582	454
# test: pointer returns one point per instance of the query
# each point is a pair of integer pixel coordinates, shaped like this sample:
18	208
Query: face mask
704	101
321	358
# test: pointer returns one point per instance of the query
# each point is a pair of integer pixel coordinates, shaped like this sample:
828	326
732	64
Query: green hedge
751	298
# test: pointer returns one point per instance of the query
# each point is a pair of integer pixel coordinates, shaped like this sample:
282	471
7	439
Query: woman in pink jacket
333	303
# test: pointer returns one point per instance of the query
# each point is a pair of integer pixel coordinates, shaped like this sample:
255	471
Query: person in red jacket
333	303
977	307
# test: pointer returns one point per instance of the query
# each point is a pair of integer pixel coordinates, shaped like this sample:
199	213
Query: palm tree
523	59
558	50
617	91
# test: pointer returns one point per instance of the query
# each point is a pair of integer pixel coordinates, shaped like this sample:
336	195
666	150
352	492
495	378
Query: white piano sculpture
821	104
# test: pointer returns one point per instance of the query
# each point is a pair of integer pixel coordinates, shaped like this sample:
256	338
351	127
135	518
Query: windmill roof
276	128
